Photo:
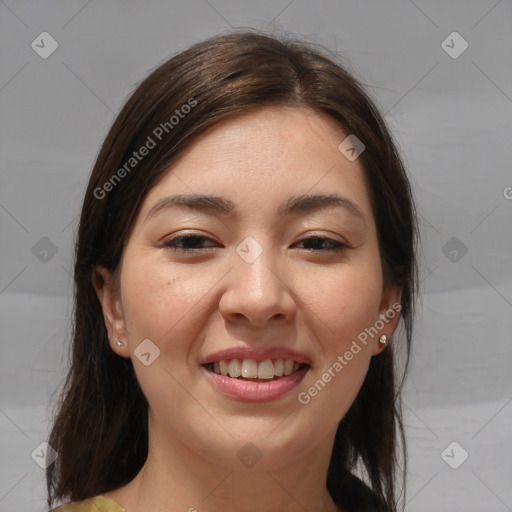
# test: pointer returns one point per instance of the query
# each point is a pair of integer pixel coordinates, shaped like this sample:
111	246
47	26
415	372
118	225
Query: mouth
255	371
250	380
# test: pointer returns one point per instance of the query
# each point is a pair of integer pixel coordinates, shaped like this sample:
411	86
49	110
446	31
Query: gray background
451	116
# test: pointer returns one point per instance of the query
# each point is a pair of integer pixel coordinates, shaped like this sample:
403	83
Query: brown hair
100	430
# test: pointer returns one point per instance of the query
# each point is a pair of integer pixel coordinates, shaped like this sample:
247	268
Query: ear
109	296
389	315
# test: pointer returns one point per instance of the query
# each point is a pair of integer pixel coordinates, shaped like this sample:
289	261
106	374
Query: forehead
259	158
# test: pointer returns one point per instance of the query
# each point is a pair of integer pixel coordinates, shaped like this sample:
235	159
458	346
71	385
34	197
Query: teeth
288	367
266	370
233	368
252	369
279	368
249	369
223	368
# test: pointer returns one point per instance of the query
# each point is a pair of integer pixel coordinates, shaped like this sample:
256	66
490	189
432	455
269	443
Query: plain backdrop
450	109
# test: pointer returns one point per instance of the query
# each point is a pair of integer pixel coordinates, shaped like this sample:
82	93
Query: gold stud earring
383	339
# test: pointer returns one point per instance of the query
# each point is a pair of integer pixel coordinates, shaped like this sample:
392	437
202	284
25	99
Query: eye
194	243
319	243
187	243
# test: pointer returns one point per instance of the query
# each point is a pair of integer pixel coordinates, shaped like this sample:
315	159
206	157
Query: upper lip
258	354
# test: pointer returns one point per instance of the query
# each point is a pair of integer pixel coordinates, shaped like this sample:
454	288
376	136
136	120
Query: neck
175	478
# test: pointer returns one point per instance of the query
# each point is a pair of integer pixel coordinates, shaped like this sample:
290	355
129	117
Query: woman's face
274	270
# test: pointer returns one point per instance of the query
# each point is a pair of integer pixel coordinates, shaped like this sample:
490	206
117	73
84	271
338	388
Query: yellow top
96	504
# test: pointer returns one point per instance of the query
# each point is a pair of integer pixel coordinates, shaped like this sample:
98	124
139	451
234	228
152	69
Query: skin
295	294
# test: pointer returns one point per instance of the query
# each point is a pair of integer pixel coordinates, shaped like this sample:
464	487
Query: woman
246	249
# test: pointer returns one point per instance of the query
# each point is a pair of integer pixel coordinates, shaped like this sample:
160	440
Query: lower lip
249	391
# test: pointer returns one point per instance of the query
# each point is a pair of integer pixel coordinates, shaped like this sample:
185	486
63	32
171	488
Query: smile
251	381
251	369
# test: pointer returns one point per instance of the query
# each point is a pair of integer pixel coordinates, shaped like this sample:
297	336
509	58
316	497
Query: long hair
100	429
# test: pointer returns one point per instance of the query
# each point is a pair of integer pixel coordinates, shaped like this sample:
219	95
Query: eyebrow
217	204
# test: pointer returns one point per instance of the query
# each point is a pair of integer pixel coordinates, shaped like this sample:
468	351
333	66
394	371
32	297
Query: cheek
348	303
347	306
161	305
149	301
155	297
166	304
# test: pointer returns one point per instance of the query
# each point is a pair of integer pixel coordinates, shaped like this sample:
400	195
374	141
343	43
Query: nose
258	291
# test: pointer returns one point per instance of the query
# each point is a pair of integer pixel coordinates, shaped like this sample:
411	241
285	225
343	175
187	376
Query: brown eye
323	244
187	243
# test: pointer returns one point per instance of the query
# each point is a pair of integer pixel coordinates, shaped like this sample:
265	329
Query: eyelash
335	246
